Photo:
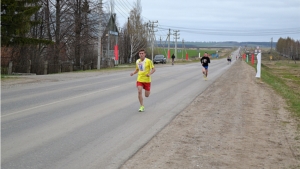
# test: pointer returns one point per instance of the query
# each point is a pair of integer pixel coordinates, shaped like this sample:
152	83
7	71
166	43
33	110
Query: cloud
238	15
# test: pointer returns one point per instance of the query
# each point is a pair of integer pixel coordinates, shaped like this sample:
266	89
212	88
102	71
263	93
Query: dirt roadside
238	122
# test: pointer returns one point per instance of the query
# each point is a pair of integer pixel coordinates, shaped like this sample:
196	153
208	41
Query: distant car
159	59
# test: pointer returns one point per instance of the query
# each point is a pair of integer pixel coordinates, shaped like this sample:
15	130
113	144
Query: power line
129	3
236	32
202	29
124	5
117	8
176	36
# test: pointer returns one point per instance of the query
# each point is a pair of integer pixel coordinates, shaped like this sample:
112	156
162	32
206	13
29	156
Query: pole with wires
99	36
182	48
176	34
169	34
151	25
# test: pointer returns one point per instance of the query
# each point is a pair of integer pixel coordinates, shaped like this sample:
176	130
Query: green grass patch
284	82
287	63
5	76
192	53
283	75
291	77
292	97
119	67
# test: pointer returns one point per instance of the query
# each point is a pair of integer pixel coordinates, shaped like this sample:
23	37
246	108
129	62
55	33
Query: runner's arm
151	72
136	70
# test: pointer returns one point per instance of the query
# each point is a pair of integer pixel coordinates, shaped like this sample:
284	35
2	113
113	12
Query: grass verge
284	77
292	96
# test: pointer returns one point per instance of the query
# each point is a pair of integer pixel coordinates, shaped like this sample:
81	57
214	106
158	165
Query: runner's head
205	54
142	54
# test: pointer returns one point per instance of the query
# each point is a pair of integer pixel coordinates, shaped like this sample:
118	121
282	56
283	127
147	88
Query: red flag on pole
116	52
252	58
169	54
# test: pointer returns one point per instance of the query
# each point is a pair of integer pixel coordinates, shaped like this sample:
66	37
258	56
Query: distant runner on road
173	57
205	61
229	59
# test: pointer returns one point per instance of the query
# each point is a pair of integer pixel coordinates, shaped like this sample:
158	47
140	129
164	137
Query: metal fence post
10	64
71	67
45	67
29	66
59	66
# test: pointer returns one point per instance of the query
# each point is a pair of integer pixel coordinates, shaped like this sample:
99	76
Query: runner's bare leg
147	93
140	95
204	71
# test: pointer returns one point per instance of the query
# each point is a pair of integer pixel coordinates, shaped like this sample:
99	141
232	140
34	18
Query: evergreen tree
16	22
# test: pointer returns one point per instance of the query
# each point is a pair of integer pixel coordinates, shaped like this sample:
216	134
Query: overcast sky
219	20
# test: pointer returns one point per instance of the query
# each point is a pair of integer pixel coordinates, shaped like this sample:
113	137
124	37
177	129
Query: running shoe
142	108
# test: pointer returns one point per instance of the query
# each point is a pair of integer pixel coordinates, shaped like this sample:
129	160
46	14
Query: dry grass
283	75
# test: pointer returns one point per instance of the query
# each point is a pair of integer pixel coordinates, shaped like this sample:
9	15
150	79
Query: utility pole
131	41
160	42
186	55
297	46
271	44
99	36
151	24
176	34
291	51
182	49
169	35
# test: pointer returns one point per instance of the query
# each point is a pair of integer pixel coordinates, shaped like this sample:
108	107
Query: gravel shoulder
238	122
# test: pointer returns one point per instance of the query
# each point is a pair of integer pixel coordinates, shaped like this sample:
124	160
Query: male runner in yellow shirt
144	68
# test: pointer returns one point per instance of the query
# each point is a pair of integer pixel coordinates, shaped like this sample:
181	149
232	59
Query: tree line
66	32
289	48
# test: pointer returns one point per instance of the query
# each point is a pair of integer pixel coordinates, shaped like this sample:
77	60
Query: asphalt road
93	122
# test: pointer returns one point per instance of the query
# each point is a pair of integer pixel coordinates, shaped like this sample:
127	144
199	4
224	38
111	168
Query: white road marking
59	101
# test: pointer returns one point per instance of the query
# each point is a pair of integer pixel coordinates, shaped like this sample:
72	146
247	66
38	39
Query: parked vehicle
159	59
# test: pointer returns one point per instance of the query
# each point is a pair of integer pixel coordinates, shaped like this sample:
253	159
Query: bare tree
288	48
137	31
83	33
72	25
56	12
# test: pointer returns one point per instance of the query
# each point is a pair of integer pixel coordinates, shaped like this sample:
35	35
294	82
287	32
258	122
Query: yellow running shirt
144	68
